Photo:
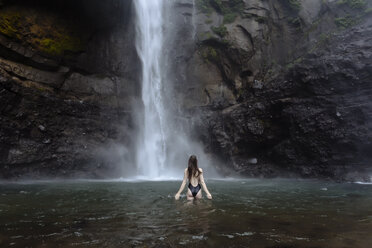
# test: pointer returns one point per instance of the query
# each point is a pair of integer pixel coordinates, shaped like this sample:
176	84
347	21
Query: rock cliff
68	78
271	88
280	88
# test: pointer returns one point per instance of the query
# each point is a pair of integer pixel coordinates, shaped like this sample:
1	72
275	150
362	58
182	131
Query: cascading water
163	146
151	151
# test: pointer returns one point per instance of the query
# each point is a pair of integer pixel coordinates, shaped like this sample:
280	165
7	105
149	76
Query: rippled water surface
243	213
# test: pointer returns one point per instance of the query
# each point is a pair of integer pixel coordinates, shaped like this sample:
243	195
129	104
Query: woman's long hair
193	167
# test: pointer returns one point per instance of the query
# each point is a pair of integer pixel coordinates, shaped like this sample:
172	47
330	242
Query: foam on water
364	183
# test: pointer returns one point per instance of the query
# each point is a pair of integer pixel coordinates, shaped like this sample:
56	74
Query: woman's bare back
196	182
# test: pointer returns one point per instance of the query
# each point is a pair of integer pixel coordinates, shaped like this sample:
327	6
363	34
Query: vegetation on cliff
354	4
220	30
10	23
355	11
42	30
229	9
294	4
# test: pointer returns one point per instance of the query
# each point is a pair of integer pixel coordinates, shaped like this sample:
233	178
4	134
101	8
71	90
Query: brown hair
193	167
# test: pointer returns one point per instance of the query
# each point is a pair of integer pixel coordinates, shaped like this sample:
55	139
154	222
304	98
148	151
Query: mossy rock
209	54
294	5
346	21
10	24
354	4
45	31
60	45
229	9
220	30
293	63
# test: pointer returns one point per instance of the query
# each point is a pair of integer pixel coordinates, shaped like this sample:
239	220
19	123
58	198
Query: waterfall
163	145
151	150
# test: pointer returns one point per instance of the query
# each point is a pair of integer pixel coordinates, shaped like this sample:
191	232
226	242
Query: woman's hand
177	196
209	196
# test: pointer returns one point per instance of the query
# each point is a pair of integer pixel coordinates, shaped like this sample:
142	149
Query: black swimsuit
194	190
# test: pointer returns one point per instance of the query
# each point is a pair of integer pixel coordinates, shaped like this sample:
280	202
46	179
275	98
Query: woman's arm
209	196
177	196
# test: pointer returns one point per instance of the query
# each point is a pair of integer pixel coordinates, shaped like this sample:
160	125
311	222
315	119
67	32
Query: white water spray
163	145
151	150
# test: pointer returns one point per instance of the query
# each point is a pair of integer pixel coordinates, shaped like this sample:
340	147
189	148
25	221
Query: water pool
243	213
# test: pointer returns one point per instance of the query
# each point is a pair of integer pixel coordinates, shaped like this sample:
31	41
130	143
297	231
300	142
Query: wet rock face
330	111
315	120
280	88
272	88
68	78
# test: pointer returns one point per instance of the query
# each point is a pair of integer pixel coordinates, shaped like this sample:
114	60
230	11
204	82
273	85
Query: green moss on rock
294	4
220	31
10	23
204	6
208	21
354	4
209	54
229	9
293	63
229	17
368	11
60	44
43	30
346	22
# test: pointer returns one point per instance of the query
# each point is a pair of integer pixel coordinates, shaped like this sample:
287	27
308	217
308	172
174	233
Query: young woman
195	177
